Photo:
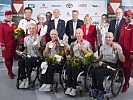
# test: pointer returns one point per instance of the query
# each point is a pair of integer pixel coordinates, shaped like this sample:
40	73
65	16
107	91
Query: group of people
113	41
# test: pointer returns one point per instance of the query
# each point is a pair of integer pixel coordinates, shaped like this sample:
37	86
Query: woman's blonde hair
56	10
40	15
86	17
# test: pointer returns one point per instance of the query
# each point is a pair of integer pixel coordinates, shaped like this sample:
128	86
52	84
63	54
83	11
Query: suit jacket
91	35
70	31
60	27
112	27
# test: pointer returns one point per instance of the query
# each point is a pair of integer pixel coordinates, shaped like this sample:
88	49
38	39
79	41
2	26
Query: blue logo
31	5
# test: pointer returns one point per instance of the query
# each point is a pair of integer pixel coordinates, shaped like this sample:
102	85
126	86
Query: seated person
51	49
110	52
33	43
78	48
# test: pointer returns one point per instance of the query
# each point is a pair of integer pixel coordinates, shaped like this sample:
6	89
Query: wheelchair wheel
39	75
33	77
63	78
117	82
87	79
18	79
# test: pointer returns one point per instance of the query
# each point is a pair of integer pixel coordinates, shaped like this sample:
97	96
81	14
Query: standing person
7	41
78	48
72	25
42	27
24	23
102	29
57	24
48	17
90	32
126	41
115	25
33	44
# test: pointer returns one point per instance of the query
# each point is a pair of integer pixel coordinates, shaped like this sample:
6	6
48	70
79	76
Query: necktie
116	29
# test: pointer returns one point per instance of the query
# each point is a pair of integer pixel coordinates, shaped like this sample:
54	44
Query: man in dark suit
116	24
72	25
57	24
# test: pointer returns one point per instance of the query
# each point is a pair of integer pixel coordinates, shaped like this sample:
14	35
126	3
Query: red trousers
127	75
9	64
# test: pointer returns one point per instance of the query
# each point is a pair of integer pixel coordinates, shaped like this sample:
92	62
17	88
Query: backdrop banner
95	8
3	8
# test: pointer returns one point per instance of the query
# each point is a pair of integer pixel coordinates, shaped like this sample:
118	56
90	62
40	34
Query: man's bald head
54	34
32	28
109	37
79	34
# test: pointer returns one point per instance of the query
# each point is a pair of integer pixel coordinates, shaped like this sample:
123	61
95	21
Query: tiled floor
8	91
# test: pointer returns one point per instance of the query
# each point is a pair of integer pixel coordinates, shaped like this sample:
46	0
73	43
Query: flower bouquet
75	62
19	33
89	58
50	59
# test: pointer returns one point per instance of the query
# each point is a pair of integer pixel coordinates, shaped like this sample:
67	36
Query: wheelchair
83	80
58	75
36	71
113	83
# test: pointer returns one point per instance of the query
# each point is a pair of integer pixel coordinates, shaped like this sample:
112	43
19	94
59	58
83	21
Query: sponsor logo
69	5
96	6
43	6
82	5
96	22
68	14
55	5
31	5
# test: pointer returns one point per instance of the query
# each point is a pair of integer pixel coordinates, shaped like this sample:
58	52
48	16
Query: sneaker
73	92
100	95
47	88
94	93
42	87
27	84
22	85
68	90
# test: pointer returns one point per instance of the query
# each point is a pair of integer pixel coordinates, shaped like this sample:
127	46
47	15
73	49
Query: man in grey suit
72	25
116	24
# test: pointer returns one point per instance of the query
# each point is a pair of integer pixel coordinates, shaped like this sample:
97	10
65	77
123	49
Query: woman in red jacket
126	41
90	33
7	42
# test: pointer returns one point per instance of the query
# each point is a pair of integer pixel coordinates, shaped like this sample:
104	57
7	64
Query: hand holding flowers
89	58
19	33
75	62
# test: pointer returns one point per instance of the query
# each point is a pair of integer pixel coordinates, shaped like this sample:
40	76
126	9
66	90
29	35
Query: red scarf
27	19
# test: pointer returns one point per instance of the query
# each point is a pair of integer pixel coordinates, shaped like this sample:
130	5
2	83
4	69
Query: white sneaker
42	87
73	92
22	85
27	84
47	88
68	90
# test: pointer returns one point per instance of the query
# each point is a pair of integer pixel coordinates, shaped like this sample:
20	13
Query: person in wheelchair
110	52
78	48
33	44
52	49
